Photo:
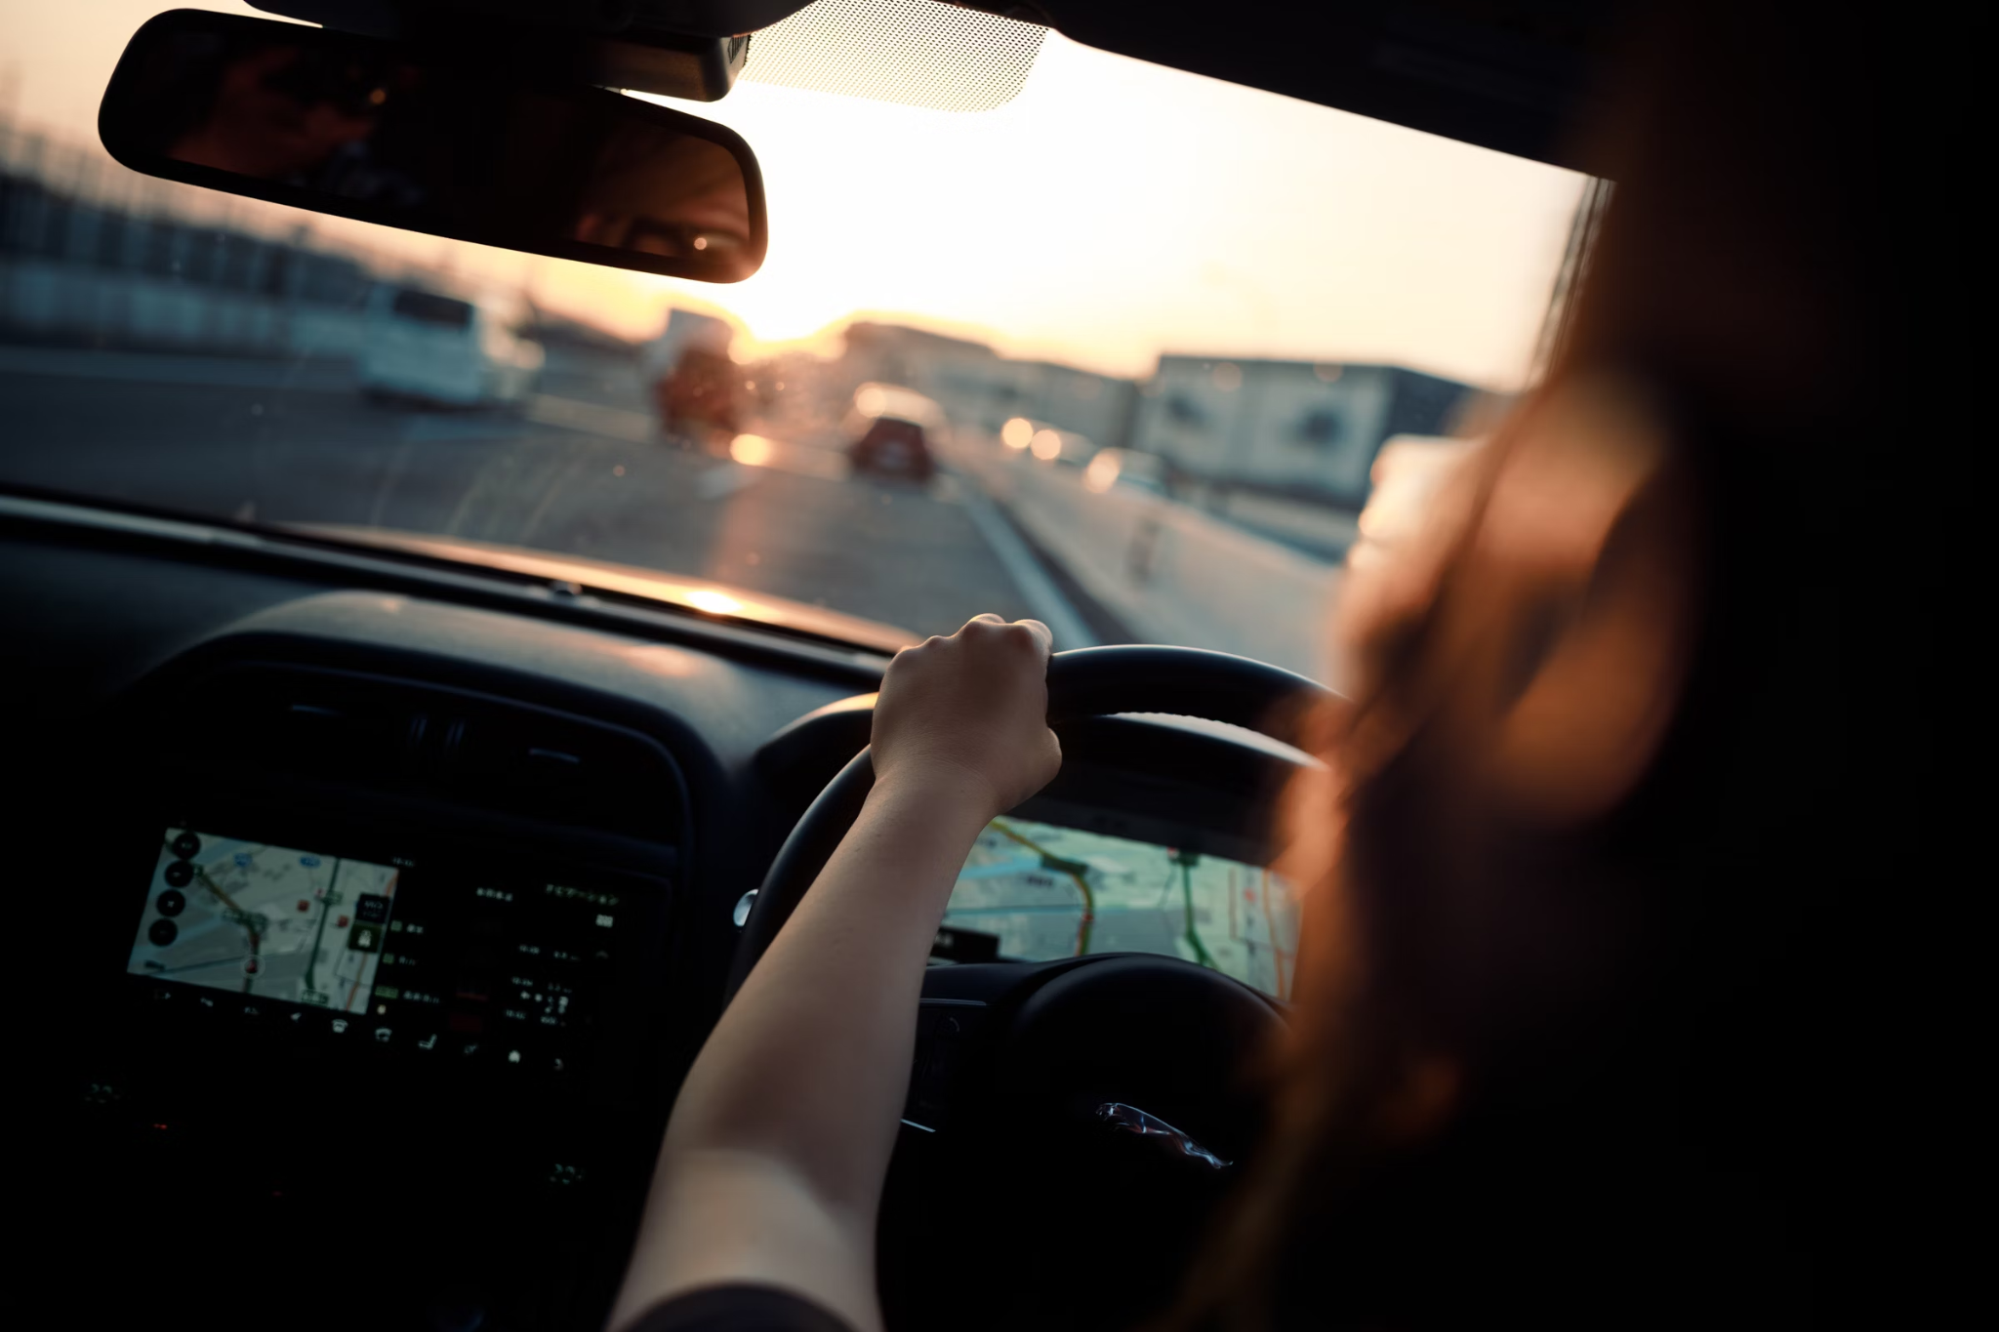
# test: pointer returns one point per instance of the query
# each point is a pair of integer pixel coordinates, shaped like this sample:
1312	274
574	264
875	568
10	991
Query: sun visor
916	52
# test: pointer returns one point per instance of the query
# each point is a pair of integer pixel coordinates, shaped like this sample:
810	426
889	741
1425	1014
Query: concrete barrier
59	301
1171	573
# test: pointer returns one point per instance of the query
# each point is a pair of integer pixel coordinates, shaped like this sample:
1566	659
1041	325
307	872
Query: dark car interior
576	792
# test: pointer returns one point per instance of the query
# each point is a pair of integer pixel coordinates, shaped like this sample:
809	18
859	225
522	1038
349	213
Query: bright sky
1113	211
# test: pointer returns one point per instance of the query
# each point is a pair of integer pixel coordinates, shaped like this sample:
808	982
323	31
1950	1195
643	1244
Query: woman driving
1546	1061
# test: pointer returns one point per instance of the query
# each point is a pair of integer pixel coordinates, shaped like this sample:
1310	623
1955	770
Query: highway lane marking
591	418
719	483
1043	598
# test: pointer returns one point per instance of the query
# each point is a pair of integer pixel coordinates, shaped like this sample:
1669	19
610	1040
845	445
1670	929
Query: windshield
1120	353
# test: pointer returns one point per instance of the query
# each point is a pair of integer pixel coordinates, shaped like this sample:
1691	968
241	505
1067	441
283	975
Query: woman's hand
772	1168
969	714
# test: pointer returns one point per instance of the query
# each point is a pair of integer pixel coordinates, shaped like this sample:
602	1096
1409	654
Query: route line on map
1082	886
237	914
325	910
1270	924
1193	937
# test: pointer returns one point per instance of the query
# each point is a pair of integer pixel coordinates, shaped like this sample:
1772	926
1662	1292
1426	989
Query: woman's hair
1557	1044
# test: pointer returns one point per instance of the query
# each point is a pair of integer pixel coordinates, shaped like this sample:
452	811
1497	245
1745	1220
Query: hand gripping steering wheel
1084	682
1096	1113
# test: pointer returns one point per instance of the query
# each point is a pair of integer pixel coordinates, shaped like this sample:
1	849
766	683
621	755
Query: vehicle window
428	308
1243	297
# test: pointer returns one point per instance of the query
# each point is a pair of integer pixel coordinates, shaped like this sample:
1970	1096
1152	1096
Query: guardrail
1169	572
58	301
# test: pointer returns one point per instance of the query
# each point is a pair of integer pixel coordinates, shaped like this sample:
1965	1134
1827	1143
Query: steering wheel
1114	1079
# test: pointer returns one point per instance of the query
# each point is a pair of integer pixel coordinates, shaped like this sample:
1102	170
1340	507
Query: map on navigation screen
273	922
1040	891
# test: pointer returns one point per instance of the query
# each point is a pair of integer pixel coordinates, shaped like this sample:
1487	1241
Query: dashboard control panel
470	964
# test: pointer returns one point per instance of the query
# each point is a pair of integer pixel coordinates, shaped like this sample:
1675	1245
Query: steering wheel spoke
948	1032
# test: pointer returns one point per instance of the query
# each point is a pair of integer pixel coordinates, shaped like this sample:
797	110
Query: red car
702	393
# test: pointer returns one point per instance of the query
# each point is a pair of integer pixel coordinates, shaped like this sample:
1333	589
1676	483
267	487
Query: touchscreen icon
428	1043
383	1034
339	1025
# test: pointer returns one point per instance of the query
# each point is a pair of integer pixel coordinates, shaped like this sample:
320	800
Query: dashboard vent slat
409	737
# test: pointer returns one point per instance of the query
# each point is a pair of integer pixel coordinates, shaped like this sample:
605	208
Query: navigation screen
273	922
1040	891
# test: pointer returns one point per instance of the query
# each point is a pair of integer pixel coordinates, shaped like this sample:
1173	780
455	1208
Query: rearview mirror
396	135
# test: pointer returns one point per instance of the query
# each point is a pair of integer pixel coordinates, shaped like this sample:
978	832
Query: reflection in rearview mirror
372	130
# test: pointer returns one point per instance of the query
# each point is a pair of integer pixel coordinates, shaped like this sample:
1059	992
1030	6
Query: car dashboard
370	913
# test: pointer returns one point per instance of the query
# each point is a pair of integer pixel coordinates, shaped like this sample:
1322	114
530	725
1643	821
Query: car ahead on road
426	347
891	433
893	447
698	390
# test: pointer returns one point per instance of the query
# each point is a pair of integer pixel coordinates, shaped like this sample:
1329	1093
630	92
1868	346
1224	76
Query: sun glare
751	450
1169	214
1181	214
715	601
1102	473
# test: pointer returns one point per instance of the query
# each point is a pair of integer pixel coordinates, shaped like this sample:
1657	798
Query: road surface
581	472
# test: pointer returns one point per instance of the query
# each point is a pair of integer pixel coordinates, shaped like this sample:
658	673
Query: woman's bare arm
773	1163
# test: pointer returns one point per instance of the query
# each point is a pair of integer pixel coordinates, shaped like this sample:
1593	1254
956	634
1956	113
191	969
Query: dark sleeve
739	1305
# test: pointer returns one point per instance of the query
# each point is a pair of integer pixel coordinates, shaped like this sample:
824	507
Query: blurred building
1292	431
93	256
981	389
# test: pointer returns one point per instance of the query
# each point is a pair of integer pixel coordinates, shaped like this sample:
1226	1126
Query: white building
1297	429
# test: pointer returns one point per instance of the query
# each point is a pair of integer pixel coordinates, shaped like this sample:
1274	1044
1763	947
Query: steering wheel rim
1083	682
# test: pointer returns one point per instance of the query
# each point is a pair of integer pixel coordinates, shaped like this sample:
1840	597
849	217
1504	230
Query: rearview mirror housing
408	137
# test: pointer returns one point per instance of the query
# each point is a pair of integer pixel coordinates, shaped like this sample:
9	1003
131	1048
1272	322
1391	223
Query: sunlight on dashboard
714	600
